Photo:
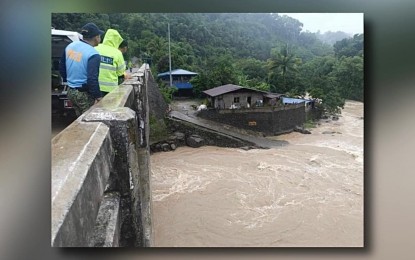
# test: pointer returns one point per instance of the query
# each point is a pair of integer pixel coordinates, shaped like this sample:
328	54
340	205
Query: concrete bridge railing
100	172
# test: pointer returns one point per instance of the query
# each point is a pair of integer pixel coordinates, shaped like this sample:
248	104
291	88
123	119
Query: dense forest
263	51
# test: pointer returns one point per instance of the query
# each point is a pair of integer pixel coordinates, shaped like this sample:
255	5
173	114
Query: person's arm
120	69
62	66
93	73
120	65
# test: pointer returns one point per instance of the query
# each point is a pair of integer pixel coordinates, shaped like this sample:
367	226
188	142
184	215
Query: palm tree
284	63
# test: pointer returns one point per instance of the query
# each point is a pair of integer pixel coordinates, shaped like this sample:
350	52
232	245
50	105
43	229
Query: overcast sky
351	23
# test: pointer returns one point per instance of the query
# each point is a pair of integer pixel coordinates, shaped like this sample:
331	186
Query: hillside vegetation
263	51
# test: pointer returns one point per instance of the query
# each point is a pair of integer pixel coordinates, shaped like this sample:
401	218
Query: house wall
227	100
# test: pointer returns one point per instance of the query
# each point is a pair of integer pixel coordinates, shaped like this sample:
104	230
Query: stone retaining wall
182	131
268	121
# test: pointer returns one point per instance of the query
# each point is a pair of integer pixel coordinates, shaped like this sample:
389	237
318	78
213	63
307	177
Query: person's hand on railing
127	76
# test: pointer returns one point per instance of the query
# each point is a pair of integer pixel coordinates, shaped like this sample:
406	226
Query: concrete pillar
125	177
129	130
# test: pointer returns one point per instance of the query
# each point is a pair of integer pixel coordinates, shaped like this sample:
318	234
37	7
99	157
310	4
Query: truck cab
61	105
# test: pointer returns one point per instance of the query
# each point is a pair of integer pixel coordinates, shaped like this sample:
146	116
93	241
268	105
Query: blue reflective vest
77	56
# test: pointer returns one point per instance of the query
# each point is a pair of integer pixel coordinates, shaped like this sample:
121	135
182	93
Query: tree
253	68
349	76
349	47
219	72
321	83
283	69
263	51
201	83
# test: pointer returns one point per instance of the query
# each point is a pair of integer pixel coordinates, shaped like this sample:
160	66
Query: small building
266	112
180	79
232	96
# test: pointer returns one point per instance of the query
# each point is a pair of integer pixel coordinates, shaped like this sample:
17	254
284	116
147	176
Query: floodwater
306	194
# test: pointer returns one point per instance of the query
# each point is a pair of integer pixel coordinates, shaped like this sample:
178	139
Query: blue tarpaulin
287	100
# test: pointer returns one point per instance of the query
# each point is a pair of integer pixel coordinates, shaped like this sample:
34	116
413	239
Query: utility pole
171	81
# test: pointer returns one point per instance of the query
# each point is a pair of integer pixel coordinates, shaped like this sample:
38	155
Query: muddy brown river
306	194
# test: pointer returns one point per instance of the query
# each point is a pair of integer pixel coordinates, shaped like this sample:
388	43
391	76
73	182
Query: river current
305	194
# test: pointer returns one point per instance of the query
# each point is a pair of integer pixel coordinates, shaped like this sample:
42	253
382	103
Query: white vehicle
60	39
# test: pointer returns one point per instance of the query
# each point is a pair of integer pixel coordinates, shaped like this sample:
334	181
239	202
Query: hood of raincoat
112	38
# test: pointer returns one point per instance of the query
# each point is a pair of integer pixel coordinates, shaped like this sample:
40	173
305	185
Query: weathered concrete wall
144	159
226	100
157	105
82	157
270	121
313	113
115	173
107	228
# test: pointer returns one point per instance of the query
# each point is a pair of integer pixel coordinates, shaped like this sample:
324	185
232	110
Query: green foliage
309	124
349	47
349	76
220	72
268	52
262	86
200	83
195	38
323	84
167	91
158	129
284	68
206	102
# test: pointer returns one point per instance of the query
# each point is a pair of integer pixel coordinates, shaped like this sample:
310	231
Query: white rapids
306	194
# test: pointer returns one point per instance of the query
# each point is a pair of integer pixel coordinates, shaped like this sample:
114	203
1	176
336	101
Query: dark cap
90	30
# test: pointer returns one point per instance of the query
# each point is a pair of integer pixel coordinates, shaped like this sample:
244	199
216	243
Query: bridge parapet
100	180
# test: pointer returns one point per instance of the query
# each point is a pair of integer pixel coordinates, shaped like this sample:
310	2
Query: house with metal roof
233	96
252	109
180	79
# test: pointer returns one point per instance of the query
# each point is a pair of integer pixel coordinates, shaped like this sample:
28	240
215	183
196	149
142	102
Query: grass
309	124
158	130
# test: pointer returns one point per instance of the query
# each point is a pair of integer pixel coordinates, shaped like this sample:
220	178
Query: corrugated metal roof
294	100
213	92
177	72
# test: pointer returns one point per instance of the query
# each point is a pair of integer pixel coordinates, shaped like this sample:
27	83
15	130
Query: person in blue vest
79	68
